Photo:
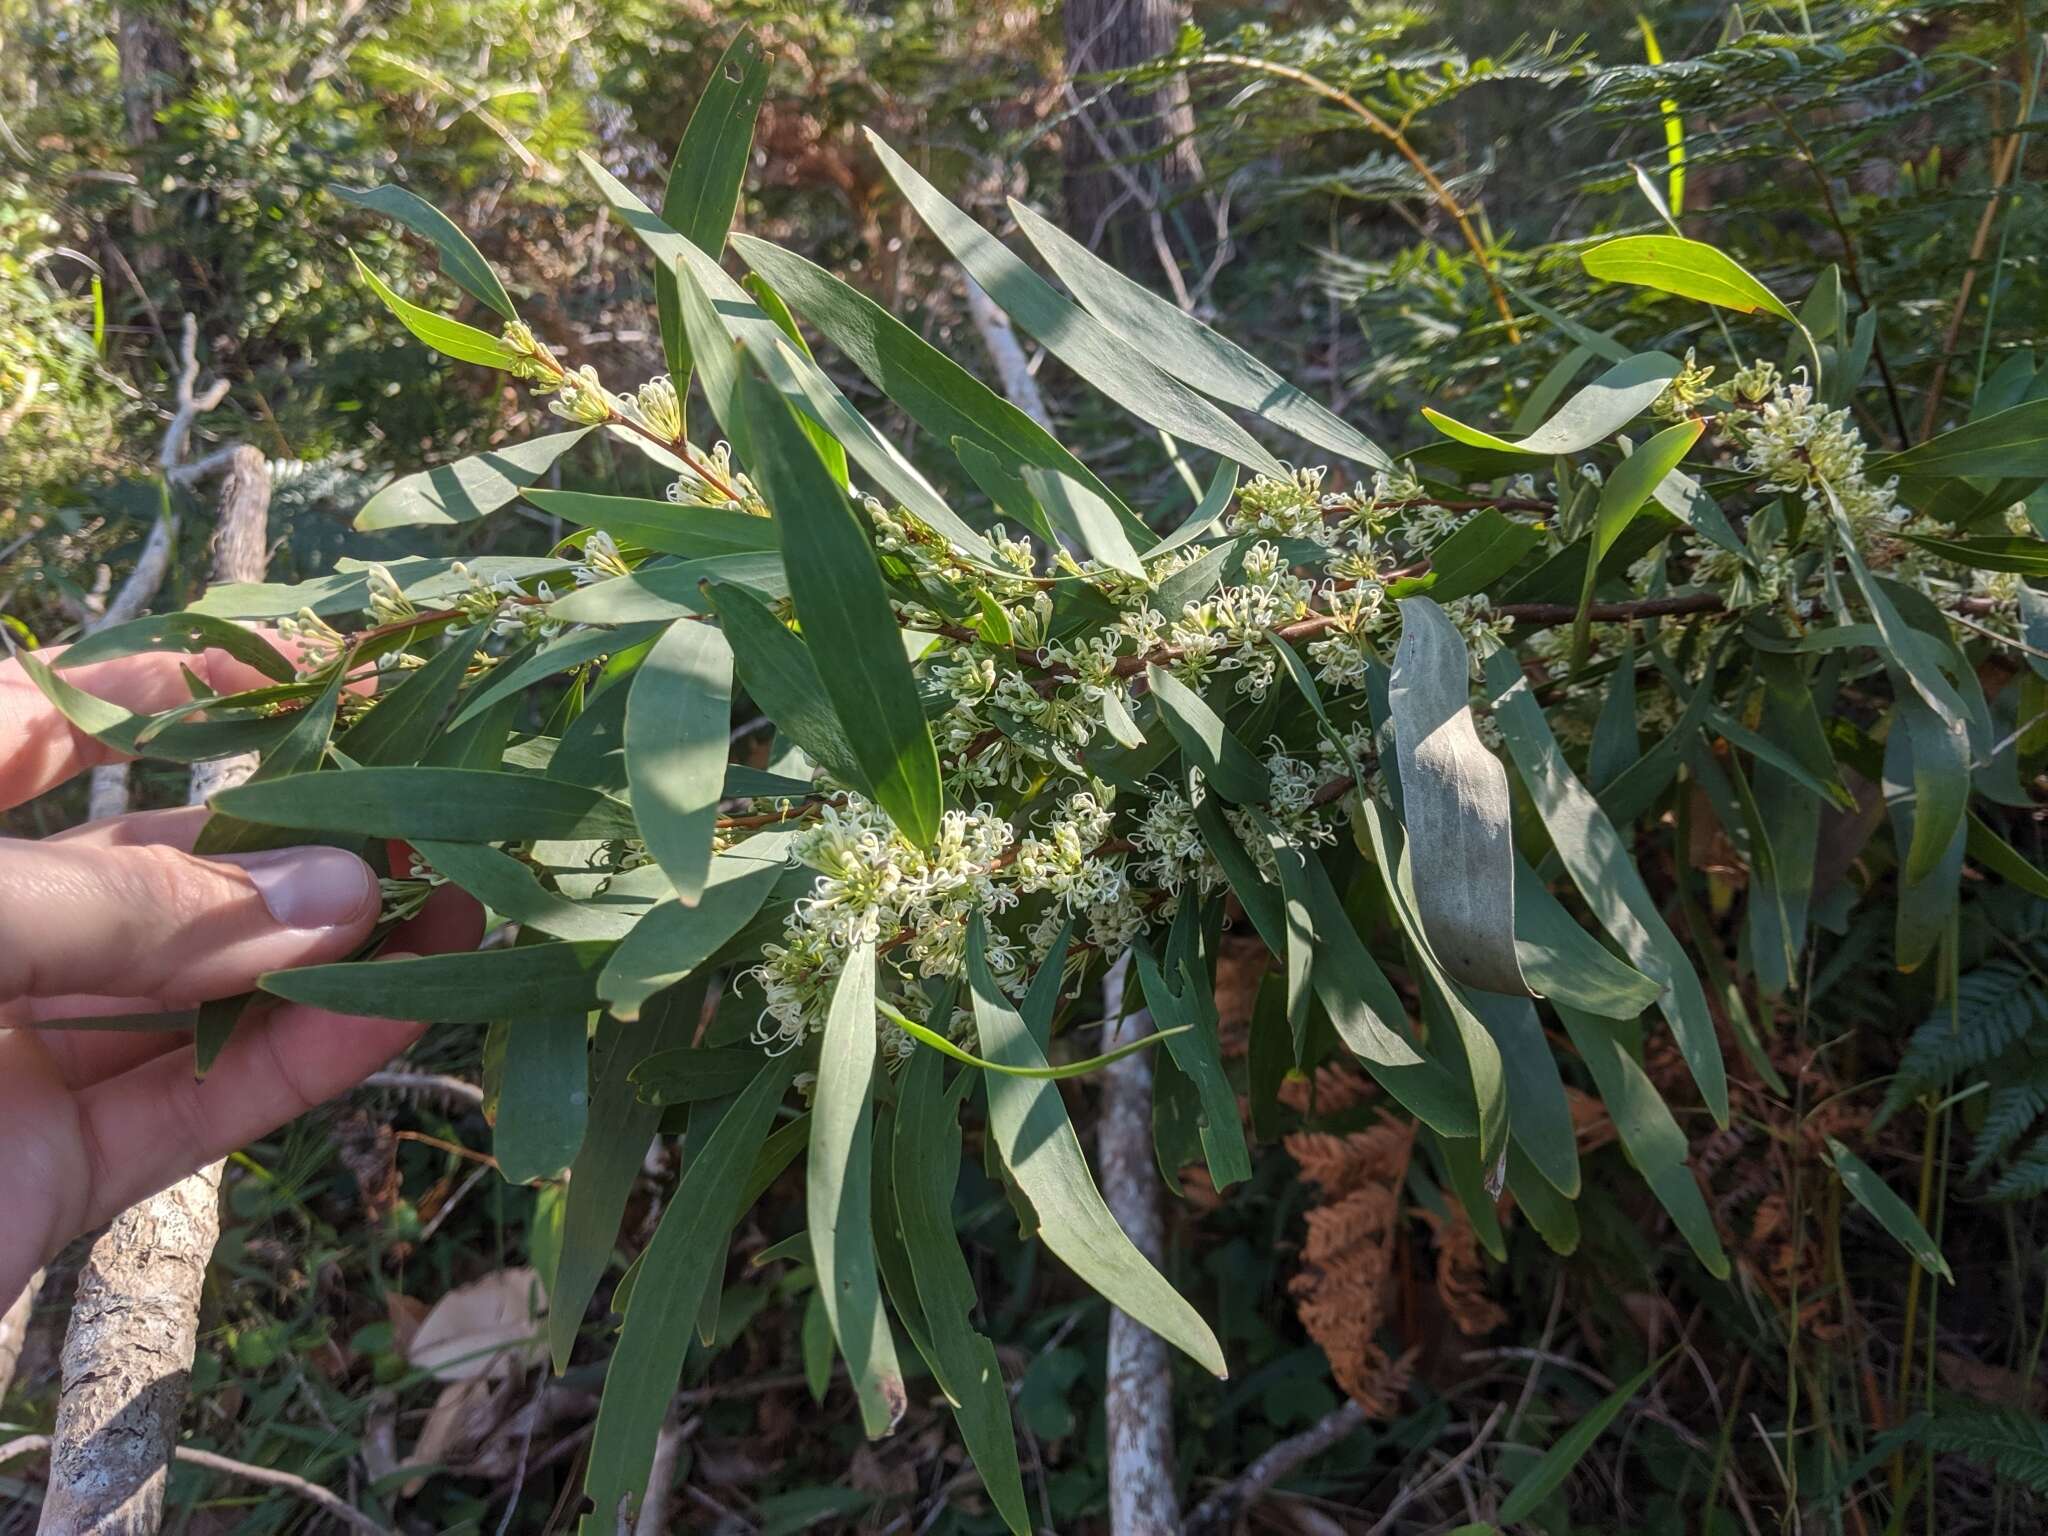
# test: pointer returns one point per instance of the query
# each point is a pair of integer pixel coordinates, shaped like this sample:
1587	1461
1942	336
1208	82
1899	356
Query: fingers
159	923
154	1123
42	749
177	827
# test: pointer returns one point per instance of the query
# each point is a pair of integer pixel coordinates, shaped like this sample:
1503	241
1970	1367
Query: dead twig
268	1477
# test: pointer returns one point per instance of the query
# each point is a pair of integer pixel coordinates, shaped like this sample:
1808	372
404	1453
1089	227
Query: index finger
40	749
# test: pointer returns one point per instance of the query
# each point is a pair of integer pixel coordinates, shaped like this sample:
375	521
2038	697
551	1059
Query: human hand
119	917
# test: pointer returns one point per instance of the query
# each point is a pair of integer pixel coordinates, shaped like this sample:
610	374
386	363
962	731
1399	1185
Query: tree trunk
1138	1400
127	1358
1129	151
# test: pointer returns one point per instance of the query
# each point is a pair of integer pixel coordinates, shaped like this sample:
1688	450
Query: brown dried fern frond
1342	1290
1461	1274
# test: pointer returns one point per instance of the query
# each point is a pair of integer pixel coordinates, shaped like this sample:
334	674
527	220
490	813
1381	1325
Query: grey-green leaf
524	981
1592	415
543	1098
927	1165
1599	864
1104	359
678	717
457	805
661	1317
838	1195
844	609
460	259
1454	796
1188	349
1041	1151
1892	1213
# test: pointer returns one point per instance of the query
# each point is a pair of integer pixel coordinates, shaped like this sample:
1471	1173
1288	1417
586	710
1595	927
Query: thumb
160	923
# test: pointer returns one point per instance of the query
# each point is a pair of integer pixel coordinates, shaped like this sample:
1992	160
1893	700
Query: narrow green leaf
1537	1484
1186	348
523	981
1927	790
1892	1213
1088	522
844	609
346	589
837	1195
1454	799
672	941
1041	1151
678	717
1652	1137
461	261
1227	764
1593	415
554	656
1479	552
2002	859
1539	1114
1688	268
464	343
467	489
454	805
613	1153
2020	553
665	527
543	1100
802	382
1189	1014
665	590
1599	864
945	1047
1468	1040
187	632
508	887
293	761
704	179
927	1166
406	721
776	668
1622	496
1563	961
2012	442
656	1337
1105	360
933	390
213	1027
692	1074
830	449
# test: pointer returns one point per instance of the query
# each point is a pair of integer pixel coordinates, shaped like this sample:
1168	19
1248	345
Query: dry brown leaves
1342	1291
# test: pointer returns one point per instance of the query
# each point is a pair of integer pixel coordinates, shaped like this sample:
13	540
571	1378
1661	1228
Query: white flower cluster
875	887
1794	444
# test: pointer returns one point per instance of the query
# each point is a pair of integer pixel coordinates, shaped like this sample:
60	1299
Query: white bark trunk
1138	1405
127	1357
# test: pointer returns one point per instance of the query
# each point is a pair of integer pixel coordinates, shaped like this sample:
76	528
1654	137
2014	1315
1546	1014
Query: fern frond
2017	1100
2013	1444
2025	1177
1995	1005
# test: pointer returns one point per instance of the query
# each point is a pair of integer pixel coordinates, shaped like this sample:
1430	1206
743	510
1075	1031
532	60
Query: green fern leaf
2013	1444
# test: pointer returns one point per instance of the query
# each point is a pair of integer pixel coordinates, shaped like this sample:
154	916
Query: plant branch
1393	136
1218	1512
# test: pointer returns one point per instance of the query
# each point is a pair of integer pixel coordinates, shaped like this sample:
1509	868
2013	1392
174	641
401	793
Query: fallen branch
268	1477
1221	1508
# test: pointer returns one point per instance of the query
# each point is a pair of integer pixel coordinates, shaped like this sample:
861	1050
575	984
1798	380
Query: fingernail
312	887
